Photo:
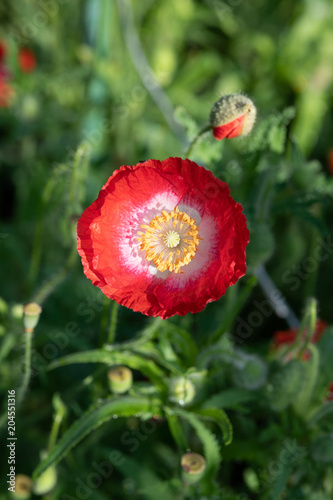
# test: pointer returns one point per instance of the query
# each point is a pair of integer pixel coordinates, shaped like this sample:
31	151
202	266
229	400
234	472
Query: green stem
310	319
27	368
113	322
46	289
195	140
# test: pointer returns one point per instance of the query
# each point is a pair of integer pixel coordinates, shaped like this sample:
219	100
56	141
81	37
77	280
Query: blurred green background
129	81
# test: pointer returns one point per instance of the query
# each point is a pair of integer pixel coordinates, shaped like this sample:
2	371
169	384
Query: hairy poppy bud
23	487
181	391
232	116
193	466
120	379
31	315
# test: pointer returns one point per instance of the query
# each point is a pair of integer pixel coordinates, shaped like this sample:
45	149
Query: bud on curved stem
120	379
31	314
232	116
194	466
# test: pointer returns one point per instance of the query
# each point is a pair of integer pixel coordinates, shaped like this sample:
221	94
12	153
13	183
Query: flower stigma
170	240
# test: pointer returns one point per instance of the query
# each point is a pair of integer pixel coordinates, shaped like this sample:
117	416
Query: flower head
27	60
163	238
232	116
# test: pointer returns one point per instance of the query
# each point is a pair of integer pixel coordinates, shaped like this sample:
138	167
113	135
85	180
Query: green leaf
231	398
146	366
95	417
176	430
221	419
210	445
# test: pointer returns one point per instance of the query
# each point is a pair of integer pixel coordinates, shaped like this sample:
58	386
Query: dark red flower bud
232	116
27	60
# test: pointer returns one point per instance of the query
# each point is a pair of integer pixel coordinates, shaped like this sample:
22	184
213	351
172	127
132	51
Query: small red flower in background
232	116
27	60
289	336
163	238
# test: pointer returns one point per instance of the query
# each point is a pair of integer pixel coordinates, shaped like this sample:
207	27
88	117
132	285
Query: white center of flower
171	239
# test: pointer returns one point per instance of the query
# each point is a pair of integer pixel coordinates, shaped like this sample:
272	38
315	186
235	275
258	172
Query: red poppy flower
232	116
163	238
27	60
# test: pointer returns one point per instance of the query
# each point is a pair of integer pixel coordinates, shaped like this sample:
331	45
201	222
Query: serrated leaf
133	361
210	445
221	419
122	407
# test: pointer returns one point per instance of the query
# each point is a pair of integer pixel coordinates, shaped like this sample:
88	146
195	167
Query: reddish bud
27	60
232	116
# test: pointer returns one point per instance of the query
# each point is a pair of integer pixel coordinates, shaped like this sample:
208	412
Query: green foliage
260	413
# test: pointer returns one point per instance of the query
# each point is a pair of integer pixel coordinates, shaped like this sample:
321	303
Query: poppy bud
23	487
181	391
46	481
232	116
193	466
31	315
120	379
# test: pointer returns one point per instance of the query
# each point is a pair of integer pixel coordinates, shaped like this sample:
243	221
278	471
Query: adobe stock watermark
296	274
294	277
29	27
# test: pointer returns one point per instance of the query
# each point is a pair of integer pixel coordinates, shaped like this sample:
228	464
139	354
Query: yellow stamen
170	240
